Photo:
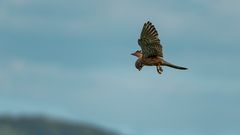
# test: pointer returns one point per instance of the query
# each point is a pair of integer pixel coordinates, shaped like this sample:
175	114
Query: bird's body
151	53
152	61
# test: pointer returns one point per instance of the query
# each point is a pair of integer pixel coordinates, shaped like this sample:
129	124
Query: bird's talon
159	69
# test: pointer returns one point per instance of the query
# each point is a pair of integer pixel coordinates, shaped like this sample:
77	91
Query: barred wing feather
149	41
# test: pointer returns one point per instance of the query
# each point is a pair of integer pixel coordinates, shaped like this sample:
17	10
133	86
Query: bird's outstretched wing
149	41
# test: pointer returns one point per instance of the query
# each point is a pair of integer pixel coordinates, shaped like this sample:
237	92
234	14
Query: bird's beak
132	54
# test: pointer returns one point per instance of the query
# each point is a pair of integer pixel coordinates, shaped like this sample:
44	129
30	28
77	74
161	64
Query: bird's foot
159	69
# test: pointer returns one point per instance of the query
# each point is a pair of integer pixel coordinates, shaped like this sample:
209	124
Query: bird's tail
165	63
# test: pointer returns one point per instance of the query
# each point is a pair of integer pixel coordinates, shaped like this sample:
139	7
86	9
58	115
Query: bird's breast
152	61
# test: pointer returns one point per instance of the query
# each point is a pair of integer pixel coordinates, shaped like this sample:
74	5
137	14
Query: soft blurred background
69	61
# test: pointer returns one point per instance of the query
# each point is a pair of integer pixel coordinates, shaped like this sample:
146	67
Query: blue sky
72	59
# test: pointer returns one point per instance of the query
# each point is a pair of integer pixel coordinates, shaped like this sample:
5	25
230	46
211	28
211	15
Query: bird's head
138	54
138	64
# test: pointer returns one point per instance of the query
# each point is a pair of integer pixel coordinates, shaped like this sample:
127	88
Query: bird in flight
151	50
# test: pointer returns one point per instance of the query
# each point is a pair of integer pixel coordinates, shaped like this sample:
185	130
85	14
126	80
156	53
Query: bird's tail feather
165	63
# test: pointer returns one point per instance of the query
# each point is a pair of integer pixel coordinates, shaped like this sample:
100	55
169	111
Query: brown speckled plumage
151	50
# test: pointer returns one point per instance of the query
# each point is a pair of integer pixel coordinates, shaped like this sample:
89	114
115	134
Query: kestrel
151	50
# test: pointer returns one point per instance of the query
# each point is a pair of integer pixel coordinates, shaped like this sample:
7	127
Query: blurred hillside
46	126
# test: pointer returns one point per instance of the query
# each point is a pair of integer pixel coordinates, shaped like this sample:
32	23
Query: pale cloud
109	16
138	12
117	16
221	7
3	81
18	65
19	2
